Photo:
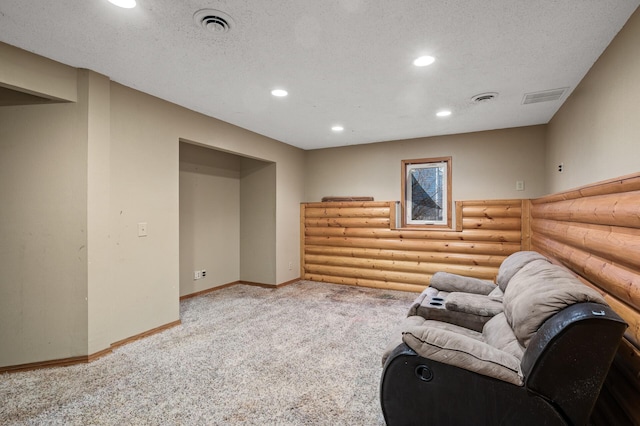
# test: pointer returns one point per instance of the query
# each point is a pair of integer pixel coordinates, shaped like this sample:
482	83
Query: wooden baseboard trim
209	290
220	287
254	284
270	285
45	364
145	334
99	354
286	283
84	359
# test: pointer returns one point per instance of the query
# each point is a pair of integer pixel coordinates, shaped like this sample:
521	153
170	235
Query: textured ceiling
343	61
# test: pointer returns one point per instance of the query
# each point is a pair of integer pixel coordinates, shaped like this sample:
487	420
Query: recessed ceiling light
279	93
423	61
127	4
443	113
337	128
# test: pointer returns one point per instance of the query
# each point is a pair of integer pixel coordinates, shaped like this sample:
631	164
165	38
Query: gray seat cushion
458	346
497	333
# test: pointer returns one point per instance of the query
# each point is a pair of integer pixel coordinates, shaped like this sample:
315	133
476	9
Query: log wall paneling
595	232
356	243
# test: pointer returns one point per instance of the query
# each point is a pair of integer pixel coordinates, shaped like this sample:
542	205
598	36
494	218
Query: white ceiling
342	61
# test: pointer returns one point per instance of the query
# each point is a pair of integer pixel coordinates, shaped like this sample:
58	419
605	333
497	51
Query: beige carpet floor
304	354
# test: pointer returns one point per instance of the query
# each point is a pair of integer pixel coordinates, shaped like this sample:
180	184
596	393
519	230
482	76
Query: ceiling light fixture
337	128
280	93
126	4
443	113
423	61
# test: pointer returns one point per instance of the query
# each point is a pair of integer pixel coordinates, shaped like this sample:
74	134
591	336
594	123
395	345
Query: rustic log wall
595	232
355	243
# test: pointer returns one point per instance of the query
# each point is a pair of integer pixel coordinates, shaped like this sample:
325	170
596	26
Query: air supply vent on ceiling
213	20
484	97
544	96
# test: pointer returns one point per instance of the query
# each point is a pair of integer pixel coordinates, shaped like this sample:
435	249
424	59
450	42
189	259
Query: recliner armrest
445	281
475	304
578	344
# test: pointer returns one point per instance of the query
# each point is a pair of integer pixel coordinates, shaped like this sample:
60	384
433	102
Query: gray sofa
541	360
467	301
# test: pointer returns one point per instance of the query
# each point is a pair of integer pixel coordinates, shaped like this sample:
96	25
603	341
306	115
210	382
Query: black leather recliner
549	373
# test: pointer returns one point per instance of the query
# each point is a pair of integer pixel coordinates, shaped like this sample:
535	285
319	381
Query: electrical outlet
519	185
197	275
290	266
561	167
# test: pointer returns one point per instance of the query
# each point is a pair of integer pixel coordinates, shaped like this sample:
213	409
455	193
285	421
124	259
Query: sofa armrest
395	338
427	294
435	309
462	351
445	281
475	304
578	344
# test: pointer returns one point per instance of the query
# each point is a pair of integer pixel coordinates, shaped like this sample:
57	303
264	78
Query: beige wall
43	229
227	219
76	179
143	188
145	135
596	133
95	92
209	217
486	165
36	75
290	178
258	222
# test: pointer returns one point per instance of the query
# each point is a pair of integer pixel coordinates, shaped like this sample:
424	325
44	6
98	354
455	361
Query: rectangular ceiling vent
544	96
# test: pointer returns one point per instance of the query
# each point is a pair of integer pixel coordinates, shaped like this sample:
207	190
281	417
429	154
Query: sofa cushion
451	347
496	294
512	264
475	304
451	282
538	291
498	333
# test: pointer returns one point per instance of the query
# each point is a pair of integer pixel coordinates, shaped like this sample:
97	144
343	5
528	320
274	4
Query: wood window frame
445	223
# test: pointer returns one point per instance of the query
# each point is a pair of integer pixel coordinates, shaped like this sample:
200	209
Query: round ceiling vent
213	20
484	97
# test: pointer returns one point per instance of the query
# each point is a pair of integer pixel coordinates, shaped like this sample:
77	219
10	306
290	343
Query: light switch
519	185
142	229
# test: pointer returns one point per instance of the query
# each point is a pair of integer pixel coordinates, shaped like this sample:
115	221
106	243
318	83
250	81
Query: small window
426	192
